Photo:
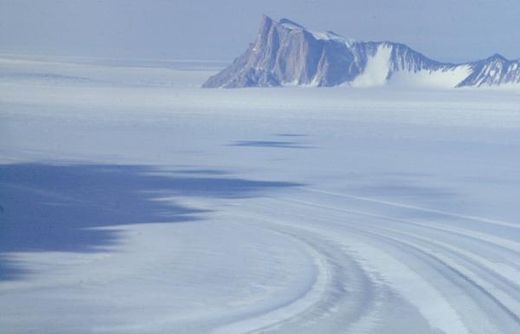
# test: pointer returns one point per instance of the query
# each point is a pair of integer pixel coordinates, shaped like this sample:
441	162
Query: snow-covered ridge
287	54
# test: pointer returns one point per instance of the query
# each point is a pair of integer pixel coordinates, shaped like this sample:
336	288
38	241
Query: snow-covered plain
134	202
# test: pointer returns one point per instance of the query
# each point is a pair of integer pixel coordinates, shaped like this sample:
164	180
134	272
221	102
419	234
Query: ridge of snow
376	69
444	78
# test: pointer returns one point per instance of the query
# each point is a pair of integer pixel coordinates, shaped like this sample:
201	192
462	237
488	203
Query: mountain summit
286	54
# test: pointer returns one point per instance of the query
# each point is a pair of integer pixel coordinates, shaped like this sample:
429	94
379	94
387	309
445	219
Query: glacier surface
134	202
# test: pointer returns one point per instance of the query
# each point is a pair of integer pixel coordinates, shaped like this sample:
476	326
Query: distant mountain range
287	54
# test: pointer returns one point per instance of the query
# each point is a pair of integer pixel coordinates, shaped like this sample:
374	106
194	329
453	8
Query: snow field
133	202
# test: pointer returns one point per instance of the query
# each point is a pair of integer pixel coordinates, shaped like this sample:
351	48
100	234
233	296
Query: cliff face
285	54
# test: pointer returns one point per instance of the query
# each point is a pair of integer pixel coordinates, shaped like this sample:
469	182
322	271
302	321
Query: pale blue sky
449	30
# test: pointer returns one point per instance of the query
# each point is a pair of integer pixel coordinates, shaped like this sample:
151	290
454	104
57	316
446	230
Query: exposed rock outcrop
286	54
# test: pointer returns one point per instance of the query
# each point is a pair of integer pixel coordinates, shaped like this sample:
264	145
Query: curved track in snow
431	275
131	203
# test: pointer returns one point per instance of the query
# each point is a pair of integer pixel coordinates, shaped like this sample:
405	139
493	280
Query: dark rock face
493	71
282	53
286	54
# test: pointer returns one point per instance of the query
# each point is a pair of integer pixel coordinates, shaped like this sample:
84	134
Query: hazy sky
450	30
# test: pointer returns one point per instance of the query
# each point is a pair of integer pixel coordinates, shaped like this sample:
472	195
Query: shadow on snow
58	207
270	144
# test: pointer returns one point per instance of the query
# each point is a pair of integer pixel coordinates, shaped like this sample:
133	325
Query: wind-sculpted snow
159	209
286	54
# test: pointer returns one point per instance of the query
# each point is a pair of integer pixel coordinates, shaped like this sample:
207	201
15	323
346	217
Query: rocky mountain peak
286	54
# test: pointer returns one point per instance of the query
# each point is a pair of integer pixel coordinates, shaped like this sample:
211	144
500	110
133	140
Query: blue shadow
270	144
58	207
